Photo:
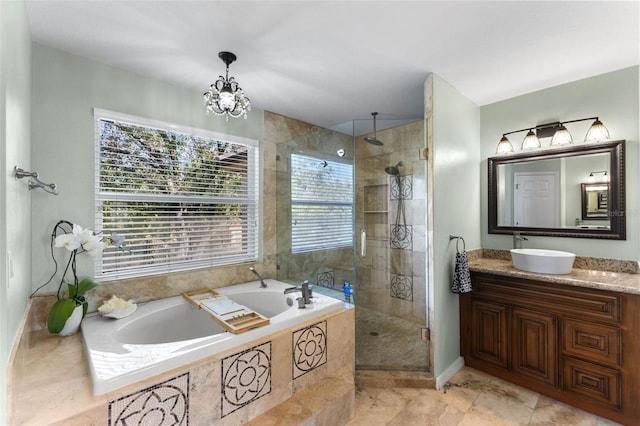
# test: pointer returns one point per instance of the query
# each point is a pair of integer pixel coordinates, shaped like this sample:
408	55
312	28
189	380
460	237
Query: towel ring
458	239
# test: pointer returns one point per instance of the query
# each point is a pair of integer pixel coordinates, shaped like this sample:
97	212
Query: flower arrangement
77	240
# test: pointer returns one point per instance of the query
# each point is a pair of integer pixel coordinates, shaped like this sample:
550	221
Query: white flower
85	236
68	241
94	246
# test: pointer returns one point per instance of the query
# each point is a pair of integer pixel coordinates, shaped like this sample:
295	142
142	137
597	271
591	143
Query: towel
461	276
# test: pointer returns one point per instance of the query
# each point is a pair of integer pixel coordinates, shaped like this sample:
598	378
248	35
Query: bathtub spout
262	283
305	289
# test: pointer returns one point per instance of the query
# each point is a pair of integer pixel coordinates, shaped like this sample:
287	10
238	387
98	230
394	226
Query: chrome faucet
518	239
262	283
305	289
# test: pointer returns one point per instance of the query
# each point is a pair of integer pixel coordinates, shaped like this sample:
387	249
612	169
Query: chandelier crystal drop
225	96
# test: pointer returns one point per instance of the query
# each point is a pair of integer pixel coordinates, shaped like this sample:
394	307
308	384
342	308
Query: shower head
374	140
393	170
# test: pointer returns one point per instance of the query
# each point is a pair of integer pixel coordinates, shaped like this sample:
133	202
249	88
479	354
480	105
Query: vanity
574	337
575	341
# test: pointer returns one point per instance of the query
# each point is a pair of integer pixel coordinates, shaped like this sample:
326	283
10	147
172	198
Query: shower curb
389	379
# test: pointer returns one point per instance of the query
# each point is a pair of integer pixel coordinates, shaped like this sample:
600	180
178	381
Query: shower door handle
363	243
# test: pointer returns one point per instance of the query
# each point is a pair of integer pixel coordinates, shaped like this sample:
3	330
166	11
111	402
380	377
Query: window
183	198
321	204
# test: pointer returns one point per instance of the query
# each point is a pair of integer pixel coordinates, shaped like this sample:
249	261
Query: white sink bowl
543	261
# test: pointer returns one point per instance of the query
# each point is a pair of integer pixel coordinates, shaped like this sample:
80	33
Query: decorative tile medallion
326	279
246	376
401	237
163	404
406	186
309	348
402	287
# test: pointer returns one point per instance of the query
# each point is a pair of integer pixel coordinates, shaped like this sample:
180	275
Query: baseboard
449	372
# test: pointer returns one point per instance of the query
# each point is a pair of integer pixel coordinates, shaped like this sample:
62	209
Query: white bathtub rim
176	354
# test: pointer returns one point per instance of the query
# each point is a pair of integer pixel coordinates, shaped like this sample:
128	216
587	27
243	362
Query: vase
73	322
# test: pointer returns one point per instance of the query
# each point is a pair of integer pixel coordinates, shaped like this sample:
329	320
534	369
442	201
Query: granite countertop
622	282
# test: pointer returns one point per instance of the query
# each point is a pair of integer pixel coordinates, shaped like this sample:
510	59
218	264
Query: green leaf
86	285
59	314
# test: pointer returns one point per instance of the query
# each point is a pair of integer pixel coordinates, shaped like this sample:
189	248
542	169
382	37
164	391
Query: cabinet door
534	352
489	333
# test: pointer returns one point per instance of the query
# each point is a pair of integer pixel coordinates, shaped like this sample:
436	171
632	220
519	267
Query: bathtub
168	333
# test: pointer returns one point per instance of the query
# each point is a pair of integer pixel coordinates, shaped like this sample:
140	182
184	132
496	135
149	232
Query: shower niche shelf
375	198
376	209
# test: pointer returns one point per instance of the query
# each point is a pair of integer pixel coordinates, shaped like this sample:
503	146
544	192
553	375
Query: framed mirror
595	201
576	191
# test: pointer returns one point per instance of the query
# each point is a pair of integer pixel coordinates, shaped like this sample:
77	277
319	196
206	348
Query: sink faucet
306	291
517	240
262	283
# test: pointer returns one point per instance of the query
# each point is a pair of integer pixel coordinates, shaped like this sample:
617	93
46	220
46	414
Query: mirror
595	201
575	191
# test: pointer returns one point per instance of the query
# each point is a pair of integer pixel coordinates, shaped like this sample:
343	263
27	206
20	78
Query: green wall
66	88
15	205
456	210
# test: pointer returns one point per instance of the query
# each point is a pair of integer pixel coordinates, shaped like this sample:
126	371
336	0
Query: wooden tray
233	316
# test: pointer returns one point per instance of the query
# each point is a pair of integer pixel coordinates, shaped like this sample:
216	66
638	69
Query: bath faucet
518	239
305	289
262	283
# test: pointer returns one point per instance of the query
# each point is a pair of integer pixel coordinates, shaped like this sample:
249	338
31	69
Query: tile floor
470	398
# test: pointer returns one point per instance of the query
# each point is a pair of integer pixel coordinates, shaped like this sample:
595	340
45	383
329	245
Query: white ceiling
329	62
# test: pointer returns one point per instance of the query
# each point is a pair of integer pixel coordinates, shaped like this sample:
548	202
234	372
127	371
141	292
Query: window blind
321	204
182	198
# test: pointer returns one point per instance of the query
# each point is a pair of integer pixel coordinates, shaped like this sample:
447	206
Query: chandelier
225	96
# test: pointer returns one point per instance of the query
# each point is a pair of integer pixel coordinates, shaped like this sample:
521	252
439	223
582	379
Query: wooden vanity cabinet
578	345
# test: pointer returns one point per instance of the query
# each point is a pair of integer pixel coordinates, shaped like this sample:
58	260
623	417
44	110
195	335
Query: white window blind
321	204
183	198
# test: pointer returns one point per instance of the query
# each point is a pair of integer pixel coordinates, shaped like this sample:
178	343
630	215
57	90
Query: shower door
315	209
390	258
331	185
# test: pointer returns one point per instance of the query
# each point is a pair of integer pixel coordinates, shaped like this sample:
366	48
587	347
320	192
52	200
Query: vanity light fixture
225	96
561	136
603	179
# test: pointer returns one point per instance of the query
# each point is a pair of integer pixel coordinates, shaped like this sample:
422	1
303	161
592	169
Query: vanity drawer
577	302
597	383
592	341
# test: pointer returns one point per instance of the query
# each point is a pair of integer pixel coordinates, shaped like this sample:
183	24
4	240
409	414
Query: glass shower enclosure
382	210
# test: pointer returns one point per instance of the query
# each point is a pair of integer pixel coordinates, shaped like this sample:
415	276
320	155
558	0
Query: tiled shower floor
385	342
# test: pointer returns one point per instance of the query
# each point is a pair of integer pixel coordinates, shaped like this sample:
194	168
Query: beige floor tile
484	416
425	409
549	412
376	406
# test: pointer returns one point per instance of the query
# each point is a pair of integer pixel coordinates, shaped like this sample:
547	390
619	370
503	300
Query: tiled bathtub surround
49	372
164	403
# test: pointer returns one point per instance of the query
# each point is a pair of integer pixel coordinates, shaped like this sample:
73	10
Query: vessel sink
543	261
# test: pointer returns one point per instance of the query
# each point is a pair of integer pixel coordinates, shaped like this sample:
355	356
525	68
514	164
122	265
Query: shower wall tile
401	237
402	287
